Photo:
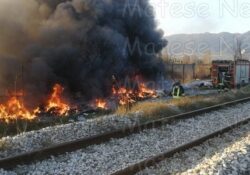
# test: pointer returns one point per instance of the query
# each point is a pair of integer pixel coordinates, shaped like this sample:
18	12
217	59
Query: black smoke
77	43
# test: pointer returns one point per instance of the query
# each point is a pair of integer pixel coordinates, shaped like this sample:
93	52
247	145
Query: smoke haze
79	44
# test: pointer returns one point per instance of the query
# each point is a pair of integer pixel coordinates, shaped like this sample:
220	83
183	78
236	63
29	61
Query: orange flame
128	96
125	96
145	92
14	109
102	104
55	103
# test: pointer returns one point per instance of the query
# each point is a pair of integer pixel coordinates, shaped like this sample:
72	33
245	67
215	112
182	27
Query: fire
14	109
125	95
55	103
102	104
145	92
129	96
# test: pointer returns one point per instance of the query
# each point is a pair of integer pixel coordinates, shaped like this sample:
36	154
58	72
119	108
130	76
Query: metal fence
187	72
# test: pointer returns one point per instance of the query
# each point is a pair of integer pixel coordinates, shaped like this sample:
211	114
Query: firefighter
177	90
224	84
227	81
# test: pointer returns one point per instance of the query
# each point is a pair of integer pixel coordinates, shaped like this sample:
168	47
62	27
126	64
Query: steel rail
137	167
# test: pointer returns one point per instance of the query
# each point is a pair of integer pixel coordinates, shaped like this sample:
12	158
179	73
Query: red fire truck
234	73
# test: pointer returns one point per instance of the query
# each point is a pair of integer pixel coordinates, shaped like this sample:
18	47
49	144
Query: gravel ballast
29	141
228	154
120	153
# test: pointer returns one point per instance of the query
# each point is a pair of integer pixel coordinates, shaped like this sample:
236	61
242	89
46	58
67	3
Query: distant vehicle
231	74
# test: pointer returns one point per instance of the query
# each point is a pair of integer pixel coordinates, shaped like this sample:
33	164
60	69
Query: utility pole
238	51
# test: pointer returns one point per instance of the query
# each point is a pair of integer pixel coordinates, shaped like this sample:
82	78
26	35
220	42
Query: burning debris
55	104
101	104
125	95
79	44
128	96
14	108
145	92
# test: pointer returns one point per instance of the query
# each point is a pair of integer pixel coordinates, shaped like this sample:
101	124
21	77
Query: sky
199	16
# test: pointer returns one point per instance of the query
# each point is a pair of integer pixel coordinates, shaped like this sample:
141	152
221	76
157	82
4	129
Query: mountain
221	45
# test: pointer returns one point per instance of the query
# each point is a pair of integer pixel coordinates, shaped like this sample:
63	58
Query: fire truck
233	73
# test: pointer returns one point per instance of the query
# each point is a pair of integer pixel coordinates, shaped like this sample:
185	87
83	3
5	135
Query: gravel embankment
119	153
228	154
29	141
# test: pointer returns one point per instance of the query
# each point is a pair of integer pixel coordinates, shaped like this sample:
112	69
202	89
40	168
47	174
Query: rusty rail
133	169
41	154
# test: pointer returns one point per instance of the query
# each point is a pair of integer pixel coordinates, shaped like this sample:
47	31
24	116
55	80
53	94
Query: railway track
30	157
135	168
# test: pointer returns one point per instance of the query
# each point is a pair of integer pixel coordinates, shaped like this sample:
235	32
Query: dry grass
165	108
20	126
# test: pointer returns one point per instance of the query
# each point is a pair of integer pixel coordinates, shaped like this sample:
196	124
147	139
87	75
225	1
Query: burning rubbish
55	103
145	92
123	96
128	96
79	44
14	108
101	104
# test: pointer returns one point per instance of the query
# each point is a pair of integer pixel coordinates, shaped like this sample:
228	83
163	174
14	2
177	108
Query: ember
55	103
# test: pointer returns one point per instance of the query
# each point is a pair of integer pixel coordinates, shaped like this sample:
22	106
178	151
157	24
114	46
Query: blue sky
199	16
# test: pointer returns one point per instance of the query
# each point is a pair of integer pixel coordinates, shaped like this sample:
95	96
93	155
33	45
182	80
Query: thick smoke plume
77	43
